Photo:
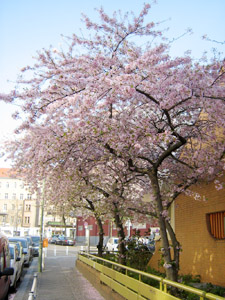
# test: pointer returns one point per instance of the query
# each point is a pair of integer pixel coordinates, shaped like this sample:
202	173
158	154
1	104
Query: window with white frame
28	207
27	220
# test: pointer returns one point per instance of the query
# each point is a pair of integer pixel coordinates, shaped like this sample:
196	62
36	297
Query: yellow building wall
202	254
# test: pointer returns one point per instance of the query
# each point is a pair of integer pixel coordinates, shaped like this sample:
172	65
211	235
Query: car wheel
27	264
12	288
15	284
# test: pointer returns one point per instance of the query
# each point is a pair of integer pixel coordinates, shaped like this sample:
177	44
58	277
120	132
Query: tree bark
121	235
101	236
169	265
100	228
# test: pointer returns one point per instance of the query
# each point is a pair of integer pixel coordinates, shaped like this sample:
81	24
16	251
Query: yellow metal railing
133	289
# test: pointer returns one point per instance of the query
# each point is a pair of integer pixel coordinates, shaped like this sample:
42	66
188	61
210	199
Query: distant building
20	213
88	229
19	209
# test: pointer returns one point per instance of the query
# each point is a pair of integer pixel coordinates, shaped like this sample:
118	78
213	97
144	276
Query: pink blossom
167	266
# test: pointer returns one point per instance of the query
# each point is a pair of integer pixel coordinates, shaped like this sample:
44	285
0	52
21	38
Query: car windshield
23	242
36	240
116	241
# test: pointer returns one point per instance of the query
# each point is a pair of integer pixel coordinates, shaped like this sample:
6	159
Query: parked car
30	246
21	254
142	243
52	240
15	264
5	270
151	245
26	249
63	240
36	244
112	244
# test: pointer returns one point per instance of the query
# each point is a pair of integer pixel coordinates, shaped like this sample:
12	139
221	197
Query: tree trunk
100	227
64	222
176	248
101	236
121	235
170	266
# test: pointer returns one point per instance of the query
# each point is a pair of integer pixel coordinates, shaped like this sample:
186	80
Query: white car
112	244
26	249
15	264
21	254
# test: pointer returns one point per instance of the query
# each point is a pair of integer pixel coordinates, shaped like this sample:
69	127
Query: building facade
20	214
87	229
200	228
19	209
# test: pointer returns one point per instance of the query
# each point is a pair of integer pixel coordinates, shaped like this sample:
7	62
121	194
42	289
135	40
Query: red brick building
109	229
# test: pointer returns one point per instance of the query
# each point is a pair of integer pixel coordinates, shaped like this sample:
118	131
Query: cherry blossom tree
120	103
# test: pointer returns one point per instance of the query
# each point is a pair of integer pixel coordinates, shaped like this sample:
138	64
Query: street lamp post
41	230
87	233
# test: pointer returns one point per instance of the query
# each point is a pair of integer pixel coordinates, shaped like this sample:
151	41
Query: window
15	184
216	224
28	207
7	184
21	196
5	207
14	196
27	220
29	196
6	196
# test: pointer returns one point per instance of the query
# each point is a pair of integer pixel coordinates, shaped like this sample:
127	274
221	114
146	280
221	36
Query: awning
58	224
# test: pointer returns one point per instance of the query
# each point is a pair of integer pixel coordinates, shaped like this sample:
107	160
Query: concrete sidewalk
60	280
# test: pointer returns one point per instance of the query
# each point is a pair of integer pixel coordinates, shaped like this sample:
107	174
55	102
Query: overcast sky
27	26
